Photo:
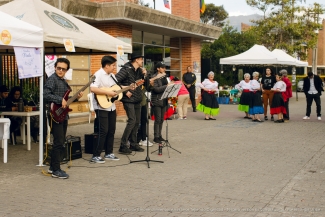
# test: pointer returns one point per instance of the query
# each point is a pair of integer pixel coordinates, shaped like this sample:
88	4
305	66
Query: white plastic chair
91	105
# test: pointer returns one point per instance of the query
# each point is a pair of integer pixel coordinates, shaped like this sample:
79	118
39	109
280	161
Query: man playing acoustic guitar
106	116
54	90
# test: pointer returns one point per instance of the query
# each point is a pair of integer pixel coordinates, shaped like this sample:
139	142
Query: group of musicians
133	79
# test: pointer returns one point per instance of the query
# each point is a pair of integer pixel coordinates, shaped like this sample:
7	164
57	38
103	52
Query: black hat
3	89
160	65
136	55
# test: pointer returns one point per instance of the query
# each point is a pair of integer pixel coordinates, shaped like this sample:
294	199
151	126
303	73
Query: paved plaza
228	167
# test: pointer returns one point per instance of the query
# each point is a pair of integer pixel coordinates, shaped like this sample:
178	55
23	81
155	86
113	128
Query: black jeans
191	91
286	105
106	124
130	132
59	131
143	123
309	99
159	113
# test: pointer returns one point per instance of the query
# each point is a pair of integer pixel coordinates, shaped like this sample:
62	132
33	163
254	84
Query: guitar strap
116	81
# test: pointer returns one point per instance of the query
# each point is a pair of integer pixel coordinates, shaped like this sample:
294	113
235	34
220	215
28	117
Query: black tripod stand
147	157
166	142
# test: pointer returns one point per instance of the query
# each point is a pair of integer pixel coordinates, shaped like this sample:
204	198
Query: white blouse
243	85
280	85
209	85
255	85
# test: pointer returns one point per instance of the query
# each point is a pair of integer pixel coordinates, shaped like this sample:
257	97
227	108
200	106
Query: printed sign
49	64
120	56
5	37
29	62
69	45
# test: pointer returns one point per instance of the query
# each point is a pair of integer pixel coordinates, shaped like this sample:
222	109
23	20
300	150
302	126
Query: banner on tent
28	62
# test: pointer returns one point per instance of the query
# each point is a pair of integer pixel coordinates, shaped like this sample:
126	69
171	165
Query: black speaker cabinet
73	144
91	141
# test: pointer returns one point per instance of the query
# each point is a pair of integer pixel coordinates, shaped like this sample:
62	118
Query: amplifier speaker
73	144
91	140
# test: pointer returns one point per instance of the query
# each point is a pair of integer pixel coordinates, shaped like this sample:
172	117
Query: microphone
124	66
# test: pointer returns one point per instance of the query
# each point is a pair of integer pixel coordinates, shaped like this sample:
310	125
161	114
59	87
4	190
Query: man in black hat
159	106
313	87
189	80
130	73
3	95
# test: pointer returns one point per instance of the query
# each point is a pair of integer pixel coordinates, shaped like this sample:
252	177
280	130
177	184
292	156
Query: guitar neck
122	90
74	97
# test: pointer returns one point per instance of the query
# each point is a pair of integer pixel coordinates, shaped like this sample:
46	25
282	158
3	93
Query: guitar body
107	101
58	113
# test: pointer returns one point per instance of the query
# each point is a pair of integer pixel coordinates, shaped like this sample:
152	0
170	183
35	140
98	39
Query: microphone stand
147	157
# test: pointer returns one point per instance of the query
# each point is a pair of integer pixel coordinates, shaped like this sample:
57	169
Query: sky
239	7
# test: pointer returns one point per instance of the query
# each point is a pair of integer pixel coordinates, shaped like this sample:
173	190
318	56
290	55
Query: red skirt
168	113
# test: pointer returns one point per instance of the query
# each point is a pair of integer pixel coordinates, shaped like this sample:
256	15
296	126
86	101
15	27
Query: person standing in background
189	80
288	93
183	98
267	82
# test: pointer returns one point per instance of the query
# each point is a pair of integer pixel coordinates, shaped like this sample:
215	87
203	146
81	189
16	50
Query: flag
202	6
166	3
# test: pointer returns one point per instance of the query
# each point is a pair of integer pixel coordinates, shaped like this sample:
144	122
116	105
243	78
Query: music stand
147	157
171	91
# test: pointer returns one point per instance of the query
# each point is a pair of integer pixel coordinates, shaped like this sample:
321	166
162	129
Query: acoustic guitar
106	101
58	113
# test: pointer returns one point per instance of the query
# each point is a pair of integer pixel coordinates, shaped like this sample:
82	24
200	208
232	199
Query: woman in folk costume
245	98
278	106
209	104
256	107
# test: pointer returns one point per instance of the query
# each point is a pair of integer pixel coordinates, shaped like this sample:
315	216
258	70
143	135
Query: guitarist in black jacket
54	90
130	73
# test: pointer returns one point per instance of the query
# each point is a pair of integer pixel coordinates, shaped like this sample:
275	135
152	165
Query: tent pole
41	116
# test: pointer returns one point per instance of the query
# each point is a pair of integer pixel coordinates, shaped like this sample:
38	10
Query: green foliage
230	43
214	14
31	93
287	25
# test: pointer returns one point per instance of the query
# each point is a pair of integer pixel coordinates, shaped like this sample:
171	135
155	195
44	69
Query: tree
287	25
141	2
214	14
230	43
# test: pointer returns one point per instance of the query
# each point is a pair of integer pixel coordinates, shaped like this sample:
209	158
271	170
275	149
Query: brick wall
191	51
116	30
189	9
320	49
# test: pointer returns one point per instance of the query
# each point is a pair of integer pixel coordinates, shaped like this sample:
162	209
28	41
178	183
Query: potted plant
31	94
223	97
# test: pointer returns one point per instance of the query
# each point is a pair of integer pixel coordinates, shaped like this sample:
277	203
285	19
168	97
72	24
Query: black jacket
157	91
317	82
127	76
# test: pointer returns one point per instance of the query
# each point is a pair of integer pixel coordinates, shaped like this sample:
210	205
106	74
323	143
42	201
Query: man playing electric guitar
54	90
106	116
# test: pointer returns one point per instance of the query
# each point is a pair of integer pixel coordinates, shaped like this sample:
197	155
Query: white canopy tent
17	33
256	55
58	25
283	55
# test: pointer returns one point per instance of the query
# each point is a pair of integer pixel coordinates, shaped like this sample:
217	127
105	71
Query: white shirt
312	88
103	80
255	85
209	85
280	85
243	85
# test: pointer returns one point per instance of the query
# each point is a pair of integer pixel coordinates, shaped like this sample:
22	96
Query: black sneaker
272	118
265	118
60	174
136	148
162	139
194	109
124	150
156	140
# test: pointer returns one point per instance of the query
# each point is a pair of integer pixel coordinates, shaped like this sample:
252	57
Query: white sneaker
144	143
180	118
319	118
306	118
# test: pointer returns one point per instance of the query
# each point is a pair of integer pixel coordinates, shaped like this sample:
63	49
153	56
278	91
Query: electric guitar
106	101
58	113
